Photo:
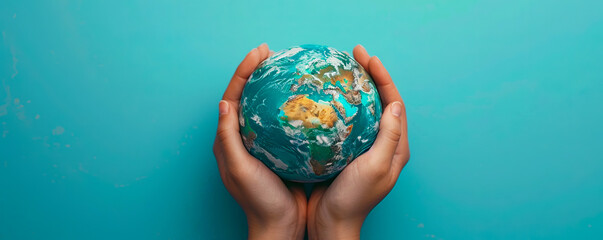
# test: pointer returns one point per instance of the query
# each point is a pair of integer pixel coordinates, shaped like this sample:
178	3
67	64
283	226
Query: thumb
228	130
390	131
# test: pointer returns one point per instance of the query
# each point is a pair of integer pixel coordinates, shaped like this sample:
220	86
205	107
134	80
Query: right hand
337	210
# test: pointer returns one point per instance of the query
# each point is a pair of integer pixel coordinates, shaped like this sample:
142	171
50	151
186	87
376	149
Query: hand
337	211
274	210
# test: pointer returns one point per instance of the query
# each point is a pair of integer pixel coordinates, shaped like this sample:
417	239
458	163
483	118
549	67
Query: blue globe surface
308	111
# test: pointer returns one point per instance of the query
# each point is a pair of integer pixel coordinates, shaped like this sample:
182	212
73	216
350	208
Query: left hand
274	209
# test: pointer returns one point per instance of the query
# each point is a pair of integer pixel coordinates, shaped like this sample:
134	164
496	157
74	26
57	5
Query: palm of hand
261	190
273	209
342	205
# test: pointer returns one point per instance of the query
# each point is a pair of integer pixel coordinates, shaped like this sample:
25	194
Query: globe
306	112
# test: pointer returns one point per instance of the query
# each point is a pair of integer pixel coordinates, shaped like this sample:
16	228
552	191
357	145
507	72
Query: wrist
337	229
266	233
339	232
275	230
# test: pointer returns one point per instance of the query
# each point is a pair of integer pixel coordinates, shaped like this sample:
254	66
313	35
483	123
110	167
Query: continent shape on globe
308	111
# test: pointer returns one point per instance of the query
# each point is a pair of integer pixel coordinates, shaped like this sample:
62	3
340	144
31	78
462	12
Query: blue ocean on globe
308	111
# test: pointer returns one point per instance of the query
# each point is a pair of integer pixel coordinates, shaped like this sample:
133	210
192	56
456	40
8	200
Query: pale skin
336	209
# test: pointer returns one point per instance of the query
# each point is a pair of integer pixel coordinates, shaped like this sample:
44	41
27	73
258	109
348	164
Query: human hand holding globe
274	210
279	209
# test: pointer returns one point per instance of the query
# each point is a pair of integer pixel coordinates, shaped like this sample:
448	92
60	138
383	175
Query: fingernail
396	109
223	107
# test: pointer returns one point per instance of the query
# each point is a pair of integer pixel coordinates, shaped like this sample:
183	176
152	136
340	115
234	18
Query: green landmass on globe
308	111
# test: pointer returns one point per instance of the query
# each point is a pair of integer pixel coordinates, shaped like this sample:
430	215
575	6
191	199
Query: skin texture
274	209
335	209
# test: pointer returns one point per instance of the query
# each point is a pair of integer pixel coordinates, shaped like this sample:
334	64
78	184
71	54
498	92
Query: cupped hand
274	209
337	210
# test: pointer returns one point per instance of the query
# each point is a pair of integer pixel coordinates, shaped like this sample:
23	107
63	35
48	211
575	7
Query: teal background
108	111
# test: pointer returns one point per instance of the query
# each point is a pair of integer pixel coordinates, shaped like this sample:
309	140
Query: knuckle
239	174
216	147
391	183
392	134
378	170
381	172
406	156
222	134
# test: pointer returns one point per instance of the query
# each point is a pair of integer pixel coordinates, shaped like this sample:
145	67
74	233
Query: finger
362	57
402	154
270	53
401	157
227	135
389	93
390	132
385	85
264	51
218	153
244	70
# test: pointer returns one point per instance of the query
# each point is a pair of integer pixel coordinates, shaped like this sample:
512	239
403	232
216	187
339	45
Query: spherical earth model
308	111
